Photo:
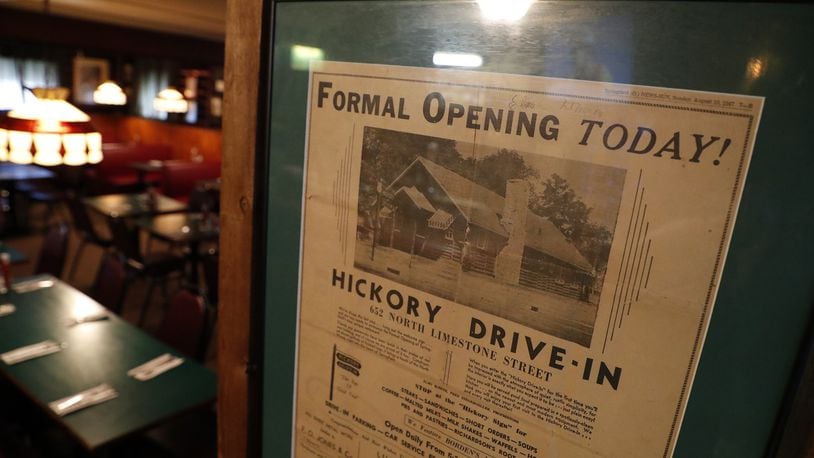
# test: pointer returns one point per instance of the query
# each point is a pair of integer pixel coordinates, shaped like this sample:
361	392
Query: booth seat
114	173
179	178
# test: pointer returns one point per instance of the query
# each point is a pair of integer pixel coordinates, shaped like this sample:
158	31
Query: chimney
515	213
515	210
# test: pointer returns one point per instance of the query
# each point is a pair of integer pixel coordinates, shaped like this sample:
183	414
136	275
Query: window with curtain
151	77
17	74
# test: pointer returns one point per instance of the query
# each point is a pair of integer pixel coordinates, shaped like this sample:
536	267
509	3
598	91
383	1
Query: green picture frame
765	298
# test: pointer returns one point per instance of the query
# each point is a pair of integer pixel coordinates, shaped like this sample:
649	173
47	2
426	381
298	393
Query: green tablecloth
98	352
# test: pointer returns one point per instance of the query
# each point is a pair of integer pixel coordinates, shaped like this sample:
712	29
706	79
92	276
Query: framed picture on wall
88	74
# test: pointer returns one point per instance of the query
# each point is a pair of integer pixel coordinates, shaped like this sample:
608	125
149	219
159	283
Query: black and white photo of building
430	227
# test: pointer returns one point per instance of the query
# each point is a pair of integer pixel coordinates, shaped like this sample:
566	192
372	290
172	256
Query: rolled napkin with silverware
27	286
155	367
32	351
90	397
7	309
96	315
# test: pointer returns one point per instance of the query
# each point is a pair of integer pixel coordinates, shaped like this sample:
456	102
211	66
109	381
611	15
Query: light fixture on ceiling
170	100
49	131
301	56
109	93
504	10
456	59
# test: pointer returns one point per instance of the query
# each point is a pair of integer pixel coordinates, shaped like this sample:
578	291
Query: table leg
142	180
194	262
18	211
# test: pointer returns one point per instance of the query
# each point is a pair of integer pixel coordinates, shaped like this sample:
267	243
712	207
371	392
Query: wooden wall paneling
237	291
182	138
109	126
207	142
67	32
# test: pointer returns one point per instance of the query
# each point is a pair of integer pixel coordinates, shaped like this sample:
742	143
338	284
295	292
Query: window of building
480	241
18	74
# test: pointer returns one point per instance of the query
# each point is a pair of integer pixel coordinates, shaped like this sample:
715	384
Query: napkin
36	350
28	286
7	309
90	397
155	367
98	315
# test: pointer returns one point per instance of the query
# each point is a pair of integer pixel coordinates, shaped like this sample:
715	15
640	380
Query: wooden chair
85	230
54	250
47	192
186	325
110	285
203	199
154	266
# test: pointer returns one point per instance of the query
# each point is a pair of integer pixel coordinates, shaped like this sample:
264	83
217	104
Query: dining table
143	168
191	229
133	205
93	353
11	172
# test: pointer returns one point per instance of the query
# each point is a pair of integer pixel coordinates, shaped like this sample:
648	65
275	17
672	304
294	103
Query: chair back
54	250
125	239
185	326
108	288
203	199
79	215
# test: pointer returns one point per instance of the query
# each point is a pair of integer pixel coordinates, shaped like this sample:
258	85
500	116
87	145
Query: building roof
543	236
483	207
416	197
478	204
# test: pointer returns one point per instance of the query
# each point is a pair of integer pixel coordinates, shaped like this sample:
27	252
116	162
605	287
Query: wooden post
235	370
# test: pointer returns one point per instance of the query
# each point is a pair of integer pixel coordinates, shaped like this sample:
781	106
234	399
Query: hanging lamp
170	100
109	93
49	131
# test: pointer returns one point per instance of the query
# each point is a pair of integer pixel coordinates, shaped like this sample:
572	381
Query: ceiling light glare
301	56
455	59
504	10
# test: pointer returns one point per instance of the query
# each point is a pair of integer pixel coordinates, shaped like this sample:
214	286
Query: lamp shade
109	93
170	101
49	131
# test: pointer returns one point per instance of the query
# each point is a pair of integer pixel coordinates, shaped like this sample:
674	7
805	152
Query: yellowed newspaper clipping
508	266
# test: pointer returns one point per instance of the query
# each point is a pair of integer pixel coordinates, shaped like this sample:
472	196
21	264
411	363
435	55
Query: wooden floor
24	433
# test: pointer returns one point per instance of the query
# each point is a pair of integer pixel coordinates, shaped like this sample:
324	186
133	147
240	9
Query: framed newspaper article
575	231
491	265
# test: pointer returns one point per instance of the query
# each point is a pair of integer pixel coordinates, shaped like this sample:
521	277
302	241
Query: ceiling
199	18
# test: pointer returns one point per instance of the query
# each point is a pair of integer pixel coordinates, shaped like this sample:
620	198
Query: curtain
15	74
151	77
